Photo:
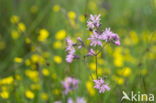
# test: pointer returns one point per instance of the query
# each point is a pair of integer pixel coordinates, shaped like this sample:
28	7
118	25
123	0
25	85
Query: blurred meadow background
32	49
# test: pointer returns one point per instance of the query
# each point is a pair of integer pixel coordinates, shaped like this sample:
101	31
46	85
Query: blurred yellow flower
71	15
4	94
33	9
27	40
56	91
14	34
27	62
118	58
44	96
29	94
7	80
118	80
18	59
43	35
56	8
21	27
18	77
82	18
32	74
134	37
126	71
57	59
14	19
45	72
89	86
35	58
60	35
92	66
57	45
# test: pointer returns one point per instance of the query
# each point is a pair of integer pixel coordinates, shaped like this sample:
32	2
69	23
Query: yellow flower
57	45
56	8
14	34
118	80
92	66
35	58
71	15
27	40
43	35
57	59
32	74
4	94
27	62
14	19
33	9
81	18
18	77
44	96
29	94
118	58
18	60
56	91
134	37
126	71
45	72
89	86
60	35
7	80
21	27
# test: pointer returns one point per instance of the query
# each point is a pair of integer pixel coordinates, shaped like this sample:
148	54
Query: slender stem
100	50
96	68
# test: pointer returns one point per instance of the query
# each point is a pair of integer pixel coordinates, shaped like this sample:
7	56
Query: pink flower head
101	86
95	39
93	21
70	50
70	84
107	35
91	52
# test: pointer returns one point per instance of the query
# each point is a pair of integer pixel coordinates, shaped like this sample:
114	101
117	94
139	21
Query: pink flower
95	39
70	50
101	86
91	52
107	35
93	21
70	84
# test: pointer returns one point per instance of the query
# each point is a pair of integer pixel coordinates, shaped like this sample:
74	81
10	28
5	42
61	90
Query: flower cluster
98	38
70	50
101	86
70	84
